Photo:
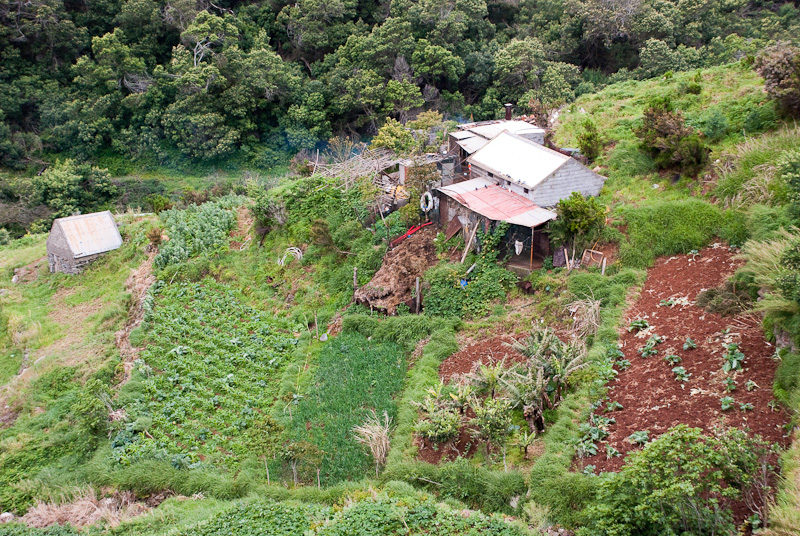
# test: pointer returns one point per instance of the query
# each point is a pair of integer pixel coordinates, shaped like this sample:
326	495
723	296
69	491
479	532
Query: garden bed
652	396
489	352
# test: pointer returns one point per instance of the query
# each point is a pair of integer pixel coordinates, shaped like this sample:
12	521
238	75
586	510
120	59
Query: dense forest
184	81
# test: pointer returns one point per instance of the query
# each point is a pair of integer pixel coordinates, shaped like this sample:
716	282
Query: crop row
211	370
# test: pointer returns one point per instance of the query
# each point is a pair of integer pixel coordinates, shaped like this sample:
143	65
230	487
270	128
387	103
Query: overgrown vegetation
261	379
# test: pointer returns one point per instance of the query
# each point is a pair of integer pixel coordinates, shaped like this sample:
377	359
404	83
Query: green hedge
672	227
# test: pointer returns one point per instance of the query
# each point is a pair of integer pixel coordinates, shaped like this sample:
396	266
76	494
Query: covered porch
465	205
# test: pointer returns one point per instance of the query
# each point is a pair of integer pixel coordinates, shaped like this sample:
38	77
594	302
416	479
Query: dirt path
244	222
651	396
137	284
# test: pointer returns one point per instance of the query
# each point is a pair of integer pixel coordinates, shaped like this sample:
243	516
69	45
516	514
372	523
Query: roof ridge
533	143
79	216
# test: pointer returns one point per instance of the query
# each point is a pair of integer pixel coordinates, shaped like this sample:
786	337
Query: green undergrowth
756	157
41	452
353	377
670	227
735	91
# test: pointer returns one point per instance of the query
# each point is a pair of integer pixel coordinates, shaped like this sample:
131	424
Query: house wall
571	177
505	183
59	256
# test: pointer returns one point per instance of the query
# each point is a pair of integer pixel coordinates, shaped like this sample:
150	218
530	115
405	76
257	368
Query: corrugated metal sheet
518	159
491	130
88	234
493	202
470	145
462	134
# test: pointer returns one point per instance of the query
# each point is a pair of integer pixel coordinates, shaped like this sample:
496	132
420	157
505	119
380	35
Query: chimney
508	111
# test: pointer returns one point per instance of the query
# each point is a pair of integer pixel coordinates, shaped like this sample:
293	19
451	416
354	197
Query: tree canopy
163	81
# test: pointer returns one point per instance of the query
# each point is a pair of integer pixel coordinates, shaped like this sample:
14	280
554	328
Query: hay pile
394	282
85	508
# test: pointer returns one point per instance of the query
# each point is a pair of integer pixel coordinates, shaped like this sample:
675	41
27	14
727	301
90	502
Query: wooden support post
566	258
469	243
416	310
532	236
267	468
603	267
355	279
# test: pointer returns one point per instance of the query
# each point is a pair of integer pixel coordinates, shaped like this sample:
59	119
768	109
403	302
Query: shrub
780	67
682	482
159	203
5	237
589	140
67	187
580	221
669	141
713	124
788	170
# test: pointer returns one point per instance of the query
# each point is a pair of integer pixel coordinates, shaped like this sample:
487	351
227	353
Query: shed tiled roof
88	234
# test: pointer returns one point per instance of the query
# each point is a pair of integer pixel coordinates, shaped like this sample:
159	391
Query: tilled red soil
652	397
489	352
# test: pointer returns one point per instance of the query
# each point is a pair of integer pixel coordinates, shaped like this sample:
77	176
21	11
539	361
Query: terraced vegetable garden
209	376
381	515
681	364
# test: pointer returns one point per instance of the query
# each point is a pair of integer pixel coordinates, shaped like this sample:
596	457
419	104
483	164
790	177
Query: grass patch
353	376
671	227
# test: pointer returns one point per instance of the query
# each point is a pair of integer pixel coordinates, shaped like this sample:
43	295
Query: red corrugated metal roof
496	203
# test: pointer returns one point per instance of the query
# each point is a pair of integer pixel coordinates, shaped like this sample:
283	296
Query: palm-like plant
556	359
486	378
526	388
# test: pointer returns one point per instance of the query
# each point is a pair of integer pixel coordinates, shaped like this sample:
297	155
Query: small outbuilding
76	241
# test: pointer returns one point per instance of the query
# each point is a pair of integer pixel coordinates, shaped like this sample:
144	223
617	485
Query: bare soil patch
490	352
393	283
30	272
653	399
137	284
244	222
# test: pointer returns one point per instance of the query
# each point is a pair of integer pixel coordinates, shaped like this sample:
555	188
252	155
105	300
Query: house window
526	190
491	175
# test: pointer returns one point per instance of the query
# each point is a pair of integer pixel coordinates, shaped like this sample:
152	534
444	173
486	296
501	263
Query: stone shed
76	241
